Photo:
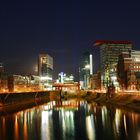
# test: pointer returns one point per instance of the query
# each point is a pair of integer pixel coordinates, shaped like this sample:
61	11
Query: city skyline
62	29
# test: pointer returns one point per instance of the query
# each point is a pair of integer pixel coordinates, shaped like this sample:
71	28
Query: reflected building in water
68	120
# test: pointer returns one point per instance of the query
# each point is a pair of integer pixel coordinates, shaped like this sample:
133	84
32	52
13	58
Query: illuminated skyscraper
45	70
109	54
86	70
129	70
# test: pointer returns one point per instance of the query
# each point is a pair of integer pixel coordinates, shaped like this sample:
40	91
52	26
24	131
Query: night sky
64	29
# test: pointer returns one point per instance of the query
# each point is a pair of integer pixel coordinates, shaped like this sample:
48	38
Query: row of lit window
138	67
138	82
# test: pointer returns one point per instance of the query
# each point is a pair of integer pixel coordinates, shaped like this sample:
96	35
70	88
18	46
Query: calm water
70	120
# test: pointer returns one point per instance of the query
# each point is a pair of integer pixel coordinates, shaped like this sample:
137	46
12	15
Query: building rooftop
100	42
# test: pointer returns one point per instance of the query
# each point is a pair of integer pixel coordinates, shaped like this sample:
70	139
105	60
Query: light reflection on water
90	127
70	120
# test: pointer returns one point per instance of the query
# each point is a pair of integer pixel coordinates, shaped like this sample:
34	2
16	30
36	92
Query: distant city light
87	66
137	59
45	78
91	64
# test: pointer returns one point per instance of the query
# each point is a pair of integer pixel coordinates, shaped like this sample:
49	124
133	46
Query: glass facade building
45	70
109	54
86	70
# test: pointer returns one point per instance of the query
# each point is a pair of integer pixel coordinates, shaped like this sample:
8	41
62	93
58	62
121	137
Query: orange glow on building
100	42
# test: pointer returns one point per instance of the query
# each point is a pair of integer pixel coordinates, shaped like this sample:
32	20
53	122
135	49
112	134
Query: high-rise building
109	53
86	70
129	70
45	70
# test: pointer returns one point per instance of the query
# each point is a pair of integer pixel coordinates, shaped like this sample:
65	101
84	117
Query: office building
129	70
86	70
45	71
109	53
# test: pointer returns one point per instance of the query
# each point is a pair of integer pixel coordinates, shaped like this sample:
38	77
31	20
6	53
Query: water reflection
16	128
90	127
25	130
70	120
47	125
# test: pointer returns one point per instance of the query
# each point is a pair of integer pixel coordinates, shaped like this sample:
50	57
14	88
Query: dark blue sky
64	29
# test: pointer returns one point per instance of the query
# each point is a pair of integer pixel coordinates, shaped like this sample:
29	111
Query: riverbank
12	102
127	101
